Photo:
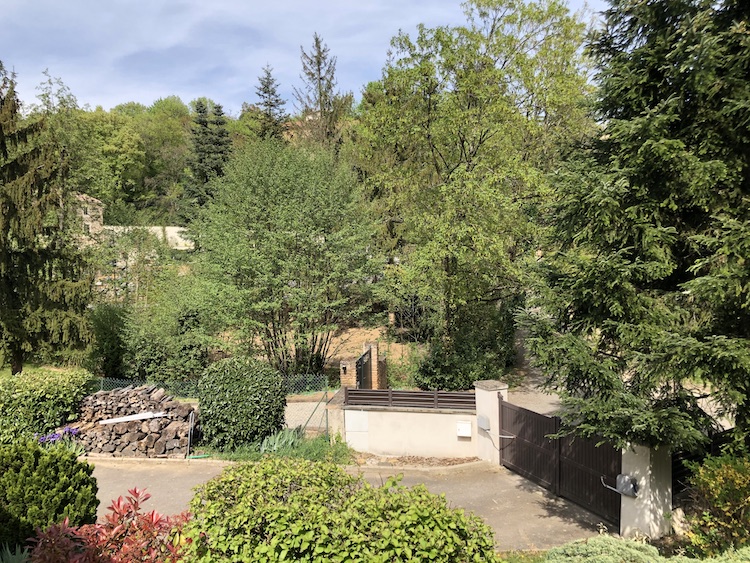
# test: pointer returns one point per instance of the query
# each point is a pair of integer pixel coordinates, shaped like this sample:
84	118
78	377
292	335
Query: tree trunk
16	361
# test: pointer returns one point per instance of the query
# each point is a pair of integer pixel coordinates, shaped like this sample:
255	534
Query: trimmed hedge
41	486
295	510
242	401
40	400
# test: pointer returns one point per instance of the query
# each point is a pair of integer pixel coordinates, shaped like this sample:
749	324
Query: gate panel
364	370
582	466
530	453
570	467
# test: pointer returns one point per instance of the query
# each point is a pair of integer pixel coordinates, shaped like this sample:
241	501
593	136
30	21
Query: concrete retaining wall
411	432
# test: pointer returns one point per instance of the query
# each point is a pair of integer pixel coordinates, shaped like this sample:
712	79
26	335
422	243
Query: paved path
522	515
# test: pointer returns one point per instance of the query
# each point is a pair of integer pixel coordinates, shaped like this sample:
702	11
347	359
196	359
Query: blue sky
113	51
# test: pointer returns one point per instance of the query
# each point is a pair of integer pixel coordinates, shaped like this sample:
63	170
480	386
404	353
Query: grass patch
319	448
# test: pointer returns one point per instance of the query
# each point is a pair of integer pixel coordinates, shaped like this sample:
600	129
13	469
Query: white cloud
140	50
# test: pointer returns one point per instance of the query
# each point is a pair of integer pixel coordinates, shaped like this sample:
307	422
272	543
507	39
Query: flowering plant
63	438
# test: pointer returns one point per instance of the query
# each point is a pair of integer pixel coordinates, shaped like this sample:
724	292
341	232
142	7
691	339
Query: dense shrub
173	337
607	549
242	401
40	486
40	400
479	346
127	535
604	549
720	505
296	510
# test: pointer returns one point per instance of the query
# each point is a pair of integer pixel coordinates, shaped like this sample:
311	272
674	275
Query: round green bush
40	486
242	401
283	509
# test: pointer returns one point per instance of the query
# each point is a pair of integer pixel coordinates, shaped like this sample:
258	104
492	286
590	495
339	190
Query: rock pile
164	436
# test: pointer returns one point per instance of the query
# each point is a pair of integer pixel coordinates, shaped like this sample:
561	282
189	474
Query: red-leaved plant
126	536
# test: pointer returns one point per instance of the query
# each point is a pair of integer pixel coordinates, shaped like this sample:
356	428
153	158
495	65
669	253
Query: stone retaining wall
165	436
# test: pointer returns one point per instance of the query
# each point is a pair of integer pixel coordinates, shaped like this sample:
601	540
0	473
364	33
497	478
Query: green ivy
295	510
242	401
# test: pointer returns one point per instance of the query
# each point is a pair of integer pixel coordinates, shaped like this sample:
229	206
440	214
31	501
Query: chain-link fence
182	389
306	399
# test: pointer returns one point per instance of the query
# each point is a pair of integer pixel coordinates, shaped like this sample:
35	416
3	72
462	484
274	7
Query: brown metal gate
570	467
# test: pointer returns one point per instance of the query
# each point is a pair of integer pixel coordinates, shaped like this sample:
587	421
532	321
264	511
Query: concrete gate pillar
489	393
648	512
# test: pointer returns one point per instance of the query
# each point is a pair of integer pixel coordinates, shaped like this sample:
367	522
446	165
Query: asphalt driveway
523	515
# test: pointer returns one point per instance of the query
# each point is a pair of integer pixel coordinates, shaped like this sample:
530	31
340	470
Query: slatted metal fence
410	399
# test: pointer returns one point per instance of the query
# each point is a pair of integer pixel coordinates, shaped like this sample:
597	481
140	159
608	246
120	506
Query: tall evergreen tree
271	105
321	106
44	282
644	324
211	148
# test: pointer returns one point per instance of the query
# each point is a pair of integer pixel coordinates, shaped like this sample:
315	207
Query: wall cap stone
490	385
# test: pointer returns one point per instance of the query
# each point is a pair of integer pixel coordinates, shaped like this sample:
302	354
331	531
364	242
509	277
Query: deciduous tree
286	233
454	143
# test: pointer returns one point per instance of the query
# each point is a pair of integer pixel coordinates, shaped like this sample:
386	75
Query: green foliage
604	549
44	279
608	549
17	554
645	304
272	115
280	509
720	505
40	400
480	347
211	148
285	439
242	401
171	335
522	556
319	448
321	107
107	352
287	236
402	372
456	171
41	486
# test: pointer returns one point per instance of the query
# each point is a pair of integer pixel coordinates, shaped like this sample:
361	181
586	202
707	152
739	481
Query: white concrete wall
649	512
417	432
